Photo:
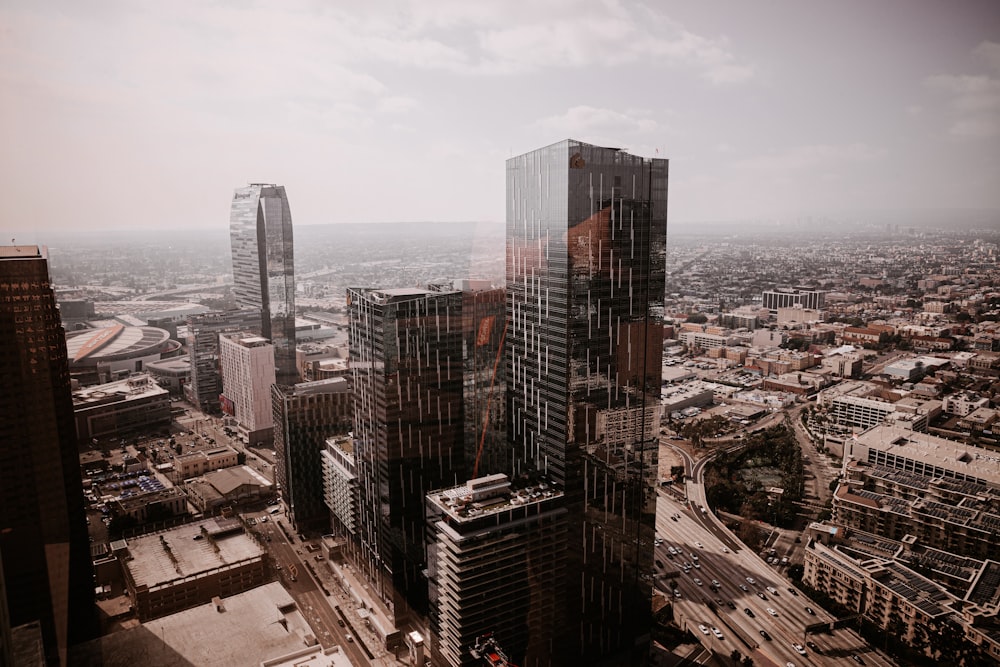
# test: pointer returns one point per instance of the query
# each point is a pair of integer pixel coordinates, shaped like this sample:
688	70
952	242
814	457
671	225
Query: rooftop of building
986	590
21	252
337	385
172	365
924	594
159	558
130	389
977	463
487	495
227	480
260	624
313	656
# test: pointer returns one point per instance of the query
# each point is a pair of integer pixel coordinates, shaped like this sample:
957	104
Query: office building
109	411
260	230
494	564
305	415
586	263
247	376
203	348
793	298
43	533
406	363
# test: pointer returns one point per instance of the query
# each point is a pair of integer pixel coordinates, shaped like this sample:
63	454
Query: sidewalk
348	594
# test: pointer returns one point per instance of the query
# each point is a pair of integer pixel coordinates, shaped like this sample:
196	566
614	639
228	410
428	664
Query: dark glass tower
260	230
586	265
406	363
43	533
305	415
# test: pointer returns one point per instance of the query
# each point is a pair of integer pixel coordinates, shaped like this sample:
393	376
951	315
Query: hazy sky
131	114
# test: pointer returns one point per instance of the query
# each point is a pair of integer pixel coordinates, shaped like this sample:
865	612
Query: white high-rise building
247	376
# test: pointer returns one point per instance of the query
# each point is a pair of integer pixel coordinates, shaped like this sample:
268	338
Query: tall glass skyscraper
586	266
43	533
260	230
406	364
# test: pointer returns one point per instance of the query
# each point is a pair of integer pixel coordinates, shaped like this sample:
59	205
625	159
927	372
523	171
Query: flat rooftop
258	625
194	553
489	495
977	463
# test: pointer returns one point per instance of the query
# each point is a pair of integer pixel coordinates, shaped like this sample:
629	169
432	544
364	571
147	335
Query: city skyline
767	113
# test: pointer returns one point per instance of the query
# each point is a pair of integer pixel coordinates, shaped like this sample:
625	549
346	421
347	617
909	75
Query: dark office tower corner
406	364
305	416
43	534
586	265
260	231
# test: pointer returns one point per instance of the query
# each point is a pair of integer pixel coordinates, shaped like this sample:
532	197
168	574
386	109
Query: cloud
975	98
396	104
989	52
586	120
610	35
817	155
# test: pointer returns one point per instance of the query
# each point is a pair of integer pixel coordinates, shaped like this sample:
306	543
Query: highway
722	558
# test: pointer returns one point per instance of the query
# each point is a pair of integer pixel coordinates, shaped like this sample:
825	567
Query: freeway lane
700	604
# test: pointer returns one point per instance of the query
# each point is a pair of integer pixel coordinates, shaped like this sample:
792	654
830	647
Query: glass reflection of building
586	265
260	229
406	365
484	383
47	571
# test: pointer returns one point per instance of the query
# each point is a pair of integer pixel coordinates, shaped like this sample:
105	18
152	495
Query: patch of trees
726	489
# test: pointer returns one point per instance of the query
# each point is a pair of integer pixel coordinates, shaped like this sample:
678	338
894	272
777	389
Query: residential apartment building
494	563
340	486
247	375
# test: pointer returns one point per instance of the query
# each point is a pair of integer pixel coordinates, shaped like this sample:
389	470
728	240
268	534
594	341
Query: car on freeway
696	565
730	604
751	581
677	594
699	545
771	611
725	550
748	611
809	610
857	658
716	632
761	596
772	590
763	633
697	581
798	647
703	629
793	591
744	588
715	582
813	646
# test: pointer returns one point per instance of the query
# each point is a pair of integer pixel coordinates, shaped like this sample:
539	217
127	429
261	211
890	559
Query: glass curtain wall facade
304	417
260	230
406	365
43	541
483	317
586	266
